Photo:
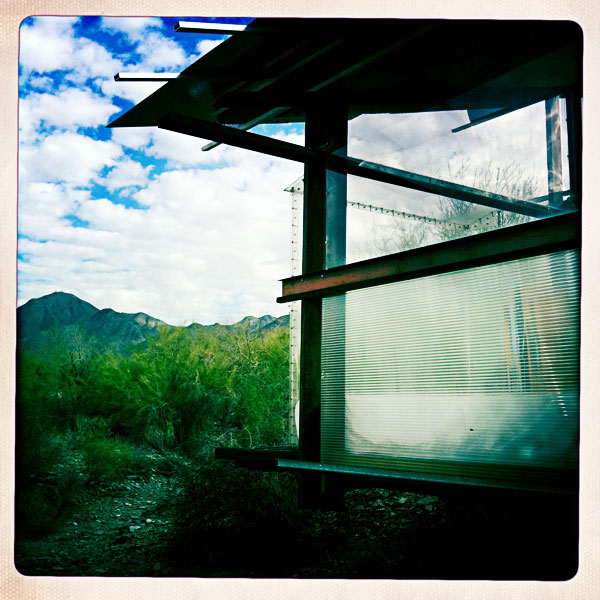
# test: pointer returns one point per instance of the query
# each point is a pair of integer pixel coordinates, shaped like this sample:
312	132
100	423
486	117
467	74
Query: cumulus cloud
41	83
126	174
134	138
70	108
156	52
210	246
133	27
160	54
42	207
49	44
67	157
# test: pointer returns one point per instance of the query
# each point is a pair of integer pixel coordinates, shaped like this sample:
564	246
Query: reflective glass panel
473	367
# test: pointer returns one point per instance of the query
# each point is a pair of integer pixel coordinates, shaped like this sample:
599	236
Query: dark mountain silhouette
62	318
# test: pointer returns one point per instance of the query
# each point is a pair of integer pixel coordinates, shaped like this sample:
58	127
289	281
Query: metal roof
272	70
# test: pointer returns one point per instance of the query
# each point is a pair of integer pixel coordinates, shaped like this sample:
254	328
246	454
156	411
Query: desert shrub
166	394
47	479
41	505
260	384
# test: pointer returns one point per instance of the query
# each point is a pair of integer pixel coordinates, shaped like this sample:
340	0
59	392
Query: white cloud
211	246
135	138
67	157
135	28
49	44
42	207
126	174
160	53
205	46
92	60
68	109
135	91
42	83
156	51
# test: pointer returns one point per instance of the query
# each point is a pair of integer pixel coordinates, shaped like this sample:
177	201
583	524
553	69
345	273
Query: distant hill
64	318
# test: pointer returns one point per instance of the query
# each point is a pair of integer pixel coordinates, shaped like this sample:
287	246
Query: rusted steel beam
528	239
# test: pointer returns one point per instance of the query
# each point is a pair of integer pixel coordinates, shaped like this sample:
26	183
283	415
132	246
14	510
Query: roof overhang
274	68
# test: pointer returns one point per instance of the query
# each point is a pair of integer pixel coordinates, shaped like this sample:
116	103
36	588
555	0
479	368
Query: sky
140	219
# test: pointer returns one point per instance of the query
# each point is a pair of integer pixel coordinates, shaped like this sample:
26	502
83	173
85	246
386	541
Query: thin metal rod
488	117
249	125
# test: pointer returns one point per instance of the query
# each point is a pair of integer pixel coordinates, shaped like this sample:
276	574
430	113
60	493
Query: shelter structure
454	363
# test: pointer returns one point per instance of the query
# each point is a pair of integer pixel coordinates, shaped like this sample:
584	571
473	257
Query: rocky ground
131	529
117	529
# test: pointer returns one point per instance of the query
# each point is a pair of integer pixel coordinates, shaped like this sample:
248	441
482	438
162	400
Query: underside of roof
271	71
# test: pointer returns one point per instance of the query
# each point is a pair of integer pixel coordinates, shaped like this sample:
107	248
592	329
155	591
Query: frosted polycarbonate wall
456	372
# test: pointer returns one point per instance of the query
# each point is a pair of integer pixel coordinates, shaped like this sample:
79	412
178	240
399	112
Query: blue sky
140	219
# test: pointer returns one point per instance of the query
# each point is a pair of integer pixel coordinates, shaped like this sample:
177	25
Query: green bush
83	415
261	387
112	459
166	395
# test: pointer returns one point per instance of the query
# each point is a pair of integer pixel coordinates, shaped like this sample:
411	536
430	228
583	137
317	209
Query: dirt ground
115	530
127	529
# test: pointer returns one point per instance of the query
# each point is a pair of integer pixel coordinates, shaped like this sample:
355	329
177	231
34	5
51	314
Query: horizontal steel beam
350	166
208	27
146	76
528	239
234	137
250	124
432	185
465	482
204	74
287	459
509	101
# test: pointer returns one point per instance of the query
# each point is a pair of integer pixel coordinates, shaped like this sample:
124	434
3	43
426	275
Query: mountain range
64	318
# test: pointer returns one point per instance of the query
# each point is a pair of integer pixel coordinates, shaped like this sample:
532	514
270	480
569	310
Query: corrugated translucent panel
457	372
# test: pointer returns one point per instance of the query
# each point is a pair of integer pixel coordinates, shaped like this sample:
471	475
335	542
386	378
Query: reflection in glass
475	366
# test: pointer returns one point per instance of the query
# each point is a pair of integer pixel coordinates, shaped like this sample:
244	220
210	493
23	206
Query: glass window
473	367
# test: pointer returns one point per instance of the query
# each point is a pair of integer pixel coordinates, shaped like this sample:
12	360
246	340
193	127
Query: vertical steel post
324	246
574	132
554	151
